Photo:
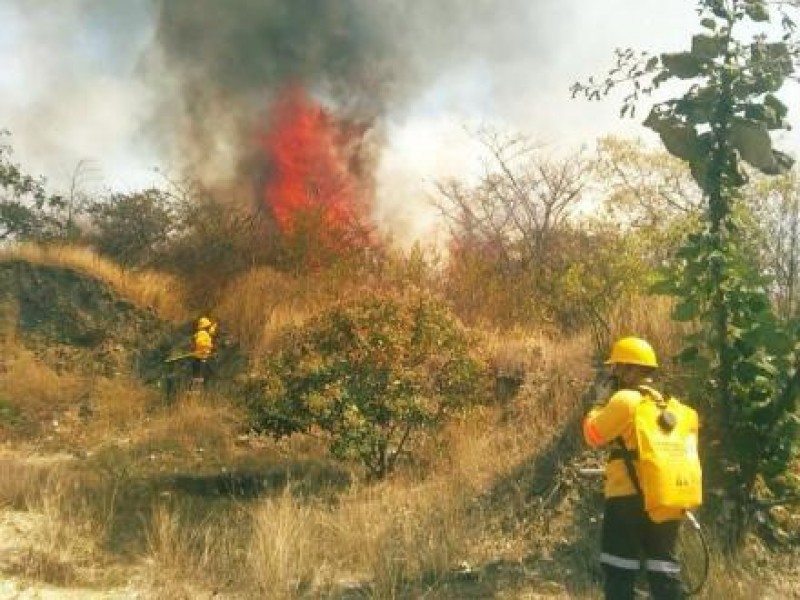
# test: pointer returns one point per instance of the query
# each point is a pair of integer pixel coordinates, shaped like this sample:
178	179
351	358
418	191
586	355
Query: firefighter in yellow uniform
629	535
202	350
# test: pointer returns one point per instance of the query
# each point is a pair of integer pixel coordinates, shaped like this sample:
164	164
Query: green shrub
369	375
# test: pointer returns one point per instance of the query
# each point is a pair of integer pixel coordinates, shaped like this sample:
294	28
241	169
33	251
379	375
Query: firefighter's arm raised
605	423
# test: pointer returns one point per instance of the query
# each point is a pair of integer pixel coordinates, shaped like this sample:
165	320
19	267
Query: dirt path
23	551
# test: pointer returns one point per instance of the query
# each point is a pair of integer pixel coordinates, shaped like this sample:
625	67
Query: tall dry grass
56	539
383	539
186	556
23	480
33	395
151	289
650	317
194	424
257	304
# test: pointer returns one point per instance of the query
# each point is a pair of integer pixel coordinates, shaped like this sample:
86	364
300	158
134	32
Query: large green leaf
679	138
681	141
752	140
695	110
709	24
779	107
699	169
685	311
763	114
783	163
707	47
682	64
757	11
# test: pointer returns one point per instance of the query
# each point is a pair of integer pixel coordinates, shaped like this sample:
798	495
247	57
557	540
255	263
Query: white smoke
132	85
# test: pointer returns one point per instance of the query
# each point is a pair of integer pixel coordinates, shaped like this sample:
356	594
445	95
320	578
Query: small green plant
369	375
9	413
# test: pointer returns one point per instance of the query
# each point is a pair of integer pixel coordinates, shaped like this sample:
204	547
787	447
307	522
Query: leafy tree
648	193
370	375
132	228
776	212
521	251
27	211
721	128
214	243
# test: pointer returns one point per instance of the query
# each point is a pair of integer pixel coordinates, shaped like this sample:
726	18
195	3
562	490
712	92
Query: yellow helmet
632	351
203	323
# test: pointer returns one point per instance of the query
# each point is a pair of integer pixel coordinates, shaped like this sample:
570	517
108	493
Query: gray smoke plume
220	64
67	87
186	85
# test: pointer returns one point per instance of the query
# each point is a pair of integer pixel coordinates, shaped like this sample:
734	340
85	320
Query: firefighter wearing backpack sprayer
652	476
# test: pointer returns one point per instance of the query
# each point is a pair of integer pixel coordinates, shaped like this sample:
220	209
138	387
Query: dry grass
22	481
405	533
261	302
64	543
158	291
390	536
120	404
650	317
81	410
29	383
194	424
33	396
184	555
282	556
55	540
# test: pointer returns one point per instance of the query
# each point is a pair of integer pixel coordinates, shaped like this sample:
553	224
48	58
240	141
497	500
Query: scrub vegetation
404	422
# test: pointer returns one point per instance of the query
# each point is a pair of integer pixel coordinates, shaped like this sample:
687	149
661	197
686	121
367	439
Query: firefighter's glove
600	391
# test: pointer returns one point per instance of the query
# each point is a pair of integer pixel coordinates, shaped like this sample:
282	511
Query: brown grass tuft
22	480
33	395
261	302
194	424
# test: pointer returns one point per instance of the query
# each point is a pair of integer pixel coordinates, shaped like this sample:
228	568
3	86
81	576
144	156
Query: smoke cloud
187	85
67	90
218	65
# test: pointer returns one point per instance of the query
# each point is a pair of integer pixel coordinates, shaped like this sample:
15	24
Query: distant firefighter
202	350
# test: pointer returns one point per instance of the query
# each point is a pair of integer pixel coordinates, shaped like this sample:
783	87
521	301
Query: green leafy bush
369	375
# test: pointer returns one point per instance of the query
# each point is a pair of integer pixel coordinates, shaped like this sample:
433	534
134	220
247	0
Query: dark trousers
630	537
201	369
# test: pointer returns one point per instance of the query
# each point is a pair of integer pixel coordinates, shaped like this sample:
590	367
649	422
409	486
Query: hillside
75	322
109	491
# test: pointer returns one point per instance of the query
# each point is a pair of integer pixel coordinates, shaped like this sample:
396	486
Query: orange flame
311	189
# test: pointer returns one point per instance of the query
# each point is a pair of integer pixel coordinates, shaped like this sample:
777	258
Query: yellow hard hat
203	322
632	351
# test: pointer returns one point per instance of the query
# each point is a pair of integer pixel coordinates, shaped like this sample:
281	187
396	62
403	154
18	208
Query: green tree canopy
27	211
372	375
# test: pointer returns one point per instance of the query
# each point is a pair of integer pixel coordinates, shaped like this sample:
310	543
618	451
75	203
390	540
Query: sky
94	82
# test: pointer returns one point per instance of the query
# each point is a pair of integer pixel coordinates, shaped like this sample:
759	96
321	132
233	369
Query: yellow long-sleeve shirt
202	345
605	424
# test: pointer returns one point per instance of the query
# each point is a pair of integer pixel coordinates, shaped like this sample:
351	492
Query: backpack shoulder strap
628	456
659	398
